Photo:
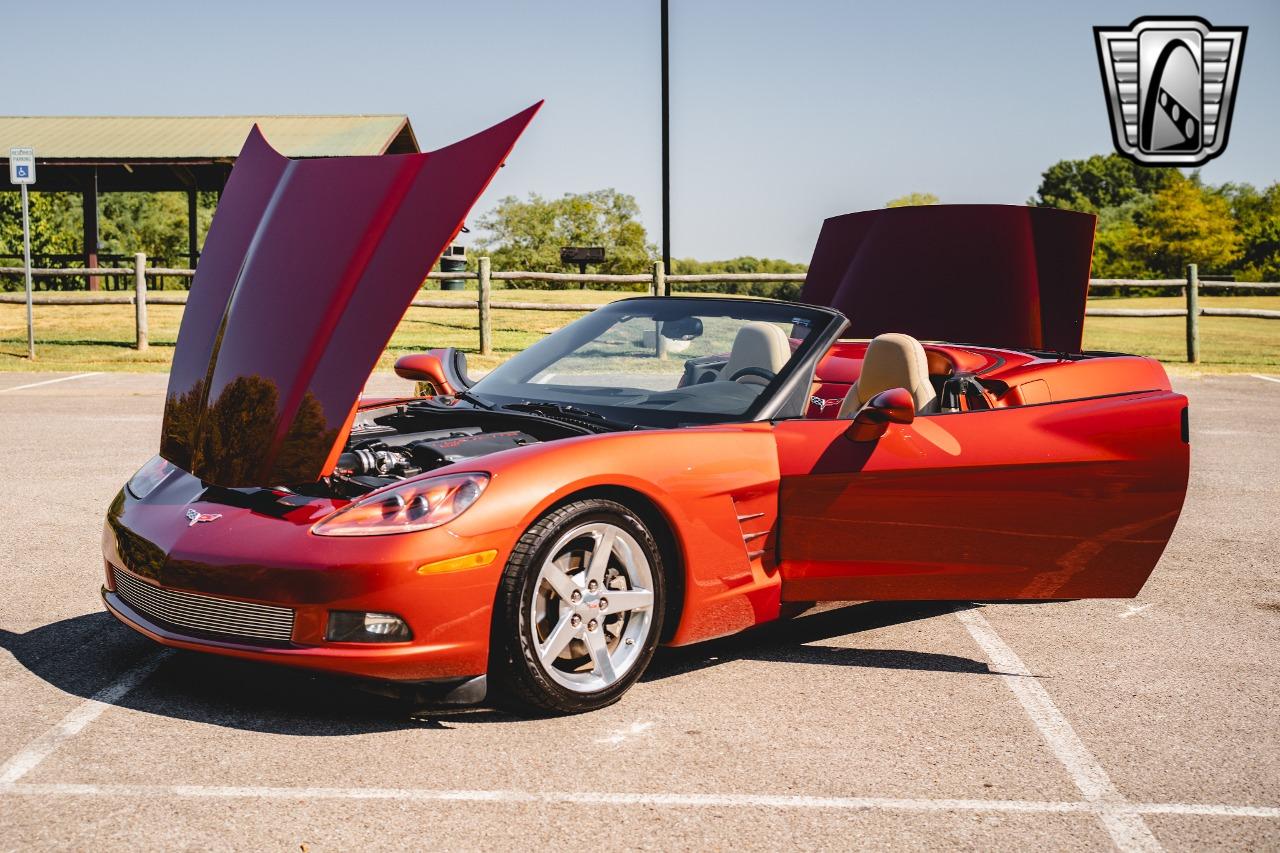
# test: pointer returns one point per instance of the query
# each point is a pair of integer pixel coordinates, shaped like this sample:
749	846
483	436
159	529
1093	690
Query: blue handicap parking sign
23	171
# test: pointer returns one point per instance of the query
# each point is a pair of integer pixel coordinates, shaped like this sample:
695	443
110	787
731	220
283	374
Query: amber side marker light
458	564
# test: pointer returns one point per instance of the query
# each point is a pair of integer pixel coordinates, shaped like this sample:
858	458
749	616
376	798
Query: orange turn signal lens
477	560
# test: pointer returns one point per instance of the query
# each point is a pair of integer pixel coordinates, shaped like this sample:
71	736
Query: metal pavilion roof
90	155
161	139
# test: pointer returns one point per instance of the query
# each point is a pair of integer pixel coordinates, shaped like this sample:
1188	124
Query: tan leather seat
893	360
757	344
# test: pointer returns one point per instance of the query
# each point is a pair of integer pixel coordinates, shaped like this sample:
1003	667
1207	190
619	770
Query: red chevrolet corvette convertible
923	424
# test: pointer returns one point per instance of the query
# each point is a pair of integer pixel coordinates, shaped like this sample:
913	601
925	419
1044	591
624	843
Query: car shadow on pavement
797	641
84	654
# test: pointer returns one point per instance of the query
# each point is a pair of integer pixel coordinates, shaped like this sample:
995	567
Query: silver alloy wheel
592	607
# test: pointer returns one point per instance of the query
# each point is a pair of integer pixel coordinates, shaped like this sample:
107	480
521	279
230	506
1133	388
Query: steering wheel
763	373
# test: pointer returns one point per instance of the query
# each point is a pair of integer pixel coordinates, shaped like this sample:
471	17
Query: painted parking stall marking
625	798
1125	826
49	382
30	756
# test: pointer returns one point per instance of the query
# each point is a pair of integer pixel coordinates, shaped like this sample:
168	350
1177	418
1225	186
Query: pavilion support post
140	300
89	203
193	227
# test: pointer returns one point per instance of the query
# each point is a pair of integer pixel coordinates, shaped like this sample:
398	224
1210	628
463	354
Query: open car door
1071	499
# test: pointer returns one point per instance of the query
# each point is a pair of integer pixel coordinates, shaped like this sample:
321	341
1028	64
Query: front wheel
579	609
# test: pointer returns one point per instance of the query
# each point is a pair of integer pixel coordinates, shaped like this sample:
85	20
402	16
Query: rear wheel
579	610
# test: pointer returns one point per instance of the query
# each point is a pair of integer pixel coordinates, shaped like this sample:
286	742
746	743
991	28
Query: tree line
128	223
1151	223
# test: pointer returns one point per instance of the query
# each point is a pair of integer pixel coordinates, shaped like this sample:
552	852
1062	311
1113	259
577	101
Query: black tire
517	678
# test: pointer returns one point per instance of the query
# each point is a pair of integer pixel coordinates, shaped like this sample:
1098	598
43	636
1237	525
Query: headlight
418	505
148	477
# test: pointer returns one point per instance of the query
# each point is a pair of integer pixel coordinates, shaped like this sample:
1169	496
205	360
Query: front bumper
247	560
411	662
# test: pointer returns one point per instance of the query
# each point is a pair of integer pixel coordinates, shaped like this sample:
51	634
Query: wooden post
1193	314
486	320
658	287
140	299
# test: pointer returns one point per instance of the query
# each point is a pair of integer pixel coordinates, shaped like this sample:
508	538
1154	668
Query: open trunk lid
996	275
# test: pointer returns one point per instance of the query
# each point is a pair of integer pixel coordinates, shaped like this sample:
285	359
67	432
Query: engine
370	463
389	443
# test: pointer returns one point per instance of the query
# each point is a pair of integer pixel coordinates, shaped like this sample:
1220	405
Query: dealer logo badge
1170	85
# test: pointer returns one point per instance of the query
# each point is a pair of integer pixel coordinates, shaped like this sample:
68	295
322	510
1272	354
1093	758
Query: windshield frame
826	325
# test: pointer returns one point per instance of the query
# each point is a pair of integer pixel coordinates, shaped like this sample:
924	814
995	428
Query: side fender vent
755	521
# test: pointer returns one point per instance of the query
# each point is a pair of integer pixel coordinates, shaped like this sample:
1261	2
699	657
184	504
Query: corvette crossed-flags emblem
194	518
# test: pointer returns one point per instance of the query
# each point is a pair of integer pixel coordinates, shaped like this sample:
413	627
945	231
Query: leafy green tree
1151	221
1098	182
528	235
1185	223
745	263
55	230
1257	219
1114	253
913	200
55	224
155	223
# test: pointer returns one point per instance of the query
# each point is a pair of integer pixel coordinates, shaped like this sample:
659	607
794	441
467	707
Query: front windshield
661	361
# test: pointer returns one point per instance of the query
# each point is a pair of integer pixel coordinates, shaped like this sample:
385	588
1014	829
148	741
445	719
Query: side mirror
425	369
895	406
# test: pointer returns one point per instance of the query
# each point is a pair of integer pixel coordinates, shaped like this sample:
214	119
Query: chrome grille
205	613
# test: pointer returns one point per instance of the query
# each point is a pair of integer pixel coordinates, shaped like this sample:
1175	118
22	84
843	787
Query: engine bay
391	443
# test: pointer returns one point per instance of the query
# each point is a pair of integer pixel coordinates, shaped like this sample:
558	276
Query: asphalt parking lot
1137	725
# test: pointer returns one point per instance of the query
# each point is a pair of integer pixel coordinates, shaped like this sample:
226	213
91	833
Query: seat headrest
893	360
758	344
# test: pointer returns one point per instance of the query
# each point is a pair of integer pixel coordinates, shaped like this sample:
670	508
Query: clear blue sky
783	113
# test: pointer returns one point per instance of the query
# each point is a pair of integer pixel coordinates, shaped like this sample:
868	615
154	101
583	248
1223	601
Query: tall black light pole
666	149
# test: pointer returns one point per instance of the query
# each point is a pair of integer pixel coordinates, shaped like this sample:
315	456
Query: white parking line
1205	809
620	735
1264	378
50	382
617	798
1133	609
1125	826
82	715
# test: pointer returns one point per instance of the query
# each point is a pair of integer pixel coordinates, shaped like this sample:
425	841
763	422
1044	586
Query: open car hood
997	275
307	269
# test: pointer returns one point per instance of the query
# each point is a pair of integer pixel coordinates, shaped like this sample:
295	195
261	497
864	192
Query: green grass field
100	337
